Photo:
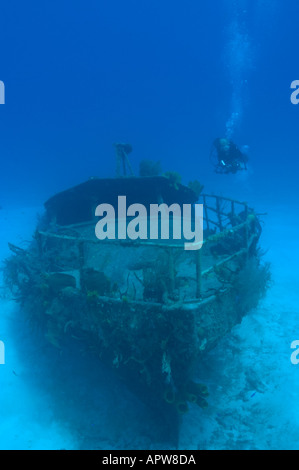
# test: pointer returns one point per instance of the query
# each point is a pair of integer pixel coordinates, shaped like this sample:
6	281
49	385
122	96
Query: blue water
168	77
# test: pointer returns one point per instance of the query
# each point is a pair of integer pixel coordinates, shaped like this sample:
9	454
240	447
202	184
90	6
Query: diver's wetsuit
229	156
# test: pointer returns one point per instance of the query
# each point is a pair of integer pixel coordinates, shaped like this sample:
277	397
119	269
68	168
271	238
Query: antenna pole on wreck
122	152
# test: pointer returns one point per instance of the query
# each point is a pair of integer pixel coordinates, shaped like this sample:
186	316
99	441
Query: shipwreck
149	309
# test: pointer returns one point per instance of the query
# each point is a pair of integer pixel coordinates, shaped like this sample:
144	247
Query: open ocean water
170	78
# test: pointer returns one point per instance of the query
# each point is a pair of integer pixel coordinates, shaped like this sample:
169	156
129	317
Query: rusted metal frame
230	215
217	210
224	199
224	233
232	209
219	213
214	223
116	242
213	209
224	261
229	258
206	212
198	273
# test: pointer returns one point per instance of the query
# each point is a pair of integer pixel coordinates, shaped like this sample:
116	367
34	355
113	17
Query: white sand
26	421
254	385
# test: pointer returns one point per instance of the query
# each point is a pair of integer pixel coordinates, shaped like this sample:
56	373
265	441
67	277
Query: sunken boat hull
150	310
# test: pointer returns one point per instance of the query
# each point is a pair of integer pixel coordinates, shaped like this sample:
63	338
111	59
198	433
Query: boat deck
158	271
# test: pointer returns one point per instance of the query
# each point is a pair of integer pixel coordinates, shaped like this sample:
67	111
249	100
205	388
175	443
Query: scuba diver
227	157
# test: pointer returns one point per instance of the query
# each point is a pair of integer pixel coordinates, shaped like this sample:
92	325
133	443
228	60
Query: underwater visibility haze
127	344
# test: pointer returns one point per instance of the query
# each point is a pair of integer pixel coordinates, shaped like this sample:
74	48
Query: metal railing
224	218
